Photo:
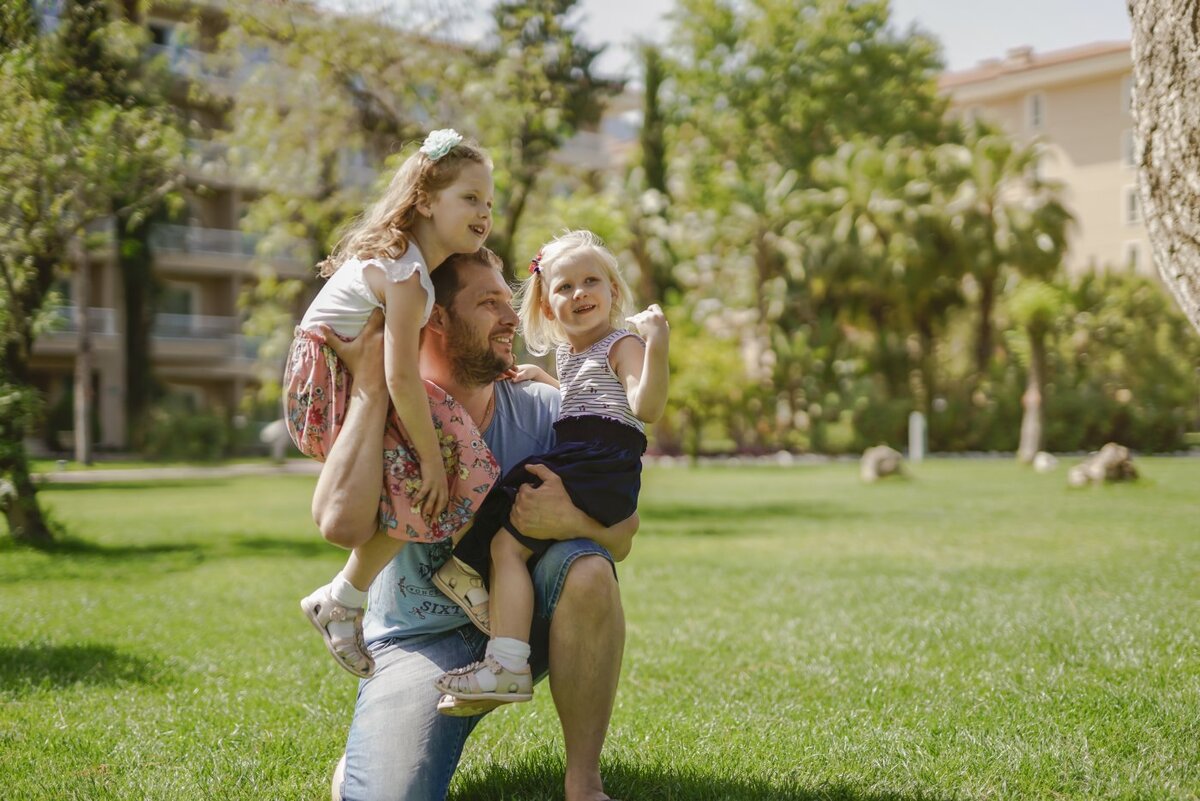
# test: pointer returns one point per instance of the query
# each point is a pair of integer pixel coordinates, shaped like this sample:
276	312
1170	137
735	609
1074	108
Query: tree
319	111
1034	306
1166	117
538	91
758	92
1010	219
71	146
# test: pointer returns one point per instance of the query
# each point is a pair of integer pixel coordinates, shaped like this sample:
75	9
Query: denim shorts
399	747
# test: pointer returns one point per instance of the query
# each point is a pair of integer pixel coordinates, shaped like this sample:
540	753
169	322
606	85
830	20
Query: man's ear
438	319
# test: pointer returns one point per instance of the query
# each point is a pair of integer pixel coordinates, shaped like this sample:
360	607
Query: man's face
481	326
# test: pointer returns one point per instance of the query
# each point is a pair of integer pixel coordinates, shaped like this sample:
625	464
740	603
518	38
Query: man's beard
471	363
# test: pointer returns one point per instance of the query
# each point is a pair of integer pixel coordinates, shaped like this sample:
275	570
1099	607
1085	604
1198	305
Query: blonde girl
613	382
436	468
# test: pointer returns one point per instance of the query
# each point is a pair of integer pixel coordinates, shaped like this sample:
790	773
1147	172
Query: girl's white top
589	385
346	301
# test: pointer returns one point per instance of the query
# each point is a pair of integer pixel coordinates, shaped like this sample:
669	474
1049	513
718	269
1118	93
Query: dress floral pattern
316	387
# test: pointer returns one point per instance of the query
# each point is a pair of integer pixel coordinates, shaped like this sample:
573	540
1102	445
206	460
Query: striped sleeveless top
589	386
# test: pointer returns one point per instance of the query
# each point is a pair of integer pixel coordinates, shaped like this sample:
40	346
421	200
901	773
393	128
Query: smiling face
461	213
579	296
481	325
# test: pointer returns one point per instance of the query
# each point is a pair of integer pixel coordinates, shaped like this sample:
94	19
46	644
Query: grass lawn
978	631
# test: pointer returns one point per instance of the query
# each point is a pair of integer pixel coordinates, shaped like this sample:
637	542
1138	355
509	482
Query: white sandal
349	652
487	680
464	586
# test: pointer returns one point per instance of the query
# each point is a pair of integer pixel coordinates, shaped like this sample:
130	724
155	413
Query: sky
969	30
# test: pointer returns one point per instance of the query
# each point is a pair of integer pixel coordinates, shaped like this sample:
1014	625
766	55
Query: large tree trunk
18	495
83	355
141	288
1166	115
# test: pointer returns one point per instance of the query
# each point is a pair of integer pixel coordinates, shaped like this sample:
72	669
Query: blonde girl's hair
384	229
540	330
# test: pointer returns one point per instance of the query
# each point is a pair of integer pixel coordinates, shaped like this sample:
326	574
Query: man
399	746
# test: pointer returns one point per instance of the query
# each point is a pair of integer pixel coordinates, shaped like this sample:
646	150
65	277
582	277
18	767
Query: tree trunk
83	356
983	337
1031	401
141	289
18	500
1166	116
507	243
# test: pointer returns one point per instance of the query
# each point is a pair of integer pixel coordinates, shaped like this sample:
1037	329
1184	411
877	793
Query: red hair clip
535	265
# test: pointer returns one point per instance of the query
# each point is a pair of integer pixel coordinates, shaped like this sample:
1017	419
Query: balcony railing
194	326
100	320
198	65
221	242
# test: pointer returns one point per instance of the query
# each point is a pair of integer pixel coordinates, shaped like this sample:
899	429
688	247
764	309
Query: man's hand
363	356
546	512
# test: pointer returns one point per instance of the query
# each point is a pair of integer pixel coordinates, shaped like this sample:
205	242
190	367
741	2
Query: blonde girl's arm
642	367
404	308
531	372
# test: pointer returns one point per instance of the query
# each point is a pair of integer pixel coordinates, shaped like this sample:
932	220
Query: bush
175	433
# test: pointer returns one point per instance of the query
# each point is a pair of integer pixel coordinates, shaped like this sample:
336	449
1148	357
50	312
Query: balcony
209	249
101	321
62	339
209	68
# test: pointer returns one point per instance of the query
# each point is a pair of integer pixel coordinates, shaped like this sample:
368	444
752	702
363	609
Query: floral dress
317	385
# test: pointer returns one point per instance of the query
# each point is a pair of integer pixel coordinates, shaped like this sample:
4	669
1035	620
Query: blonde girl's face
579	295
462	212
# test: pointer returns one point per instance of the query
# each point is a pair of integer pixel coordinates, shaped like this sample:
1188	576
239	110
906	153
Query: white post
916	437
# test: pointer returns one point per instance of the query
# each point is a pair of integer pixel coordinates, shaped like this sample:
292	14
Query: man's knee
591	579
339	773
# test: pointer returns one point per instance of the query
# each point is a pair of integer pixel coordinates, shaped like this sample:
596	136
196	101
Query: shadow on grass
731	518
100	484
27	668
76	558
531	781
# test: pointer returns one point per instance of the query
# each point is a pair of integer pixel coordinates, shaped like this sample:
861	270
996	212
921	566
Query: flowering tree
77	148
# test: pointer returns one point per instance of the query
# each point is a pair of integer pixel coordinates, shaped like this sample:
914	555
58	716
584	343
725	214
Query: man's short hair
447	280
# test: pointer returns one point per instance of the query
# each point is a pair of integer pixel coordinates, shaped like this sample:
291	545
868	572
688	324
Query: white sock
511	653
345	593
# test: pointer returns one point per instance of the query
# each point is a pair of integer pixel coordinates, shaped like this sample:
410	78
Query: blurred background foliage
834	252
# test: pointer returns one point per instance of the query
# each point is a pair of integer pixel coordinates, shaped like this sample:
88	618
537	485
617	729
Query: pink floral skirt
316	386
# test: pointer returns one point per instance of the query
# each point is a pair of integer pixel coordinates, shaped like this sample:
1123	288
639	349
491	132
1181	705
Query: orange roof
1023	59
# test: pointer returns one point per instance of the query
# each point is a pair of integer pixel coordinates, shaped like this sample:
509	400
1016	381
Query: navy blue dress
598	456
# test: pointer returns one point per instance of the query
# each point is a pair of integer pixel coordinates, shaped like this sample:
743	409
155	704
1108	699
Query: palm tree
1034	306
1007	216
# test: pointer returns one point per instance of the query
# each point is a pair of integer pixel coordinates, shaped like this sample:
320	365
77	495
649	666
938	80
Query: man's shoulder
533	393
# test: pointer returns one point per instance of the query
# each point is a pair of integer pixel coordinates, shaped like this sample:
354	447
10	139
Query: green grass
977	631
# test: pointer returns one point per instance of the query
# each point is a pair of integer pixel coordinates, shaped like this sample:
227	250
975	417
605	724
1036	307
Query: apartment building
1076	104
202	260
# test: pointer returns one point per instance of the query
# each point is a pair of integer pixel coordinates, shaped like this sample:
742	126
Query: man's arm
345	504
546	512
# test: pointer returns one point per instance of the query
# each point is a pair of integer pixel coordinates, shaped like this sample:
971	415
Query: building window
1036	111
1128	152
1133	256
1132	206
48	12
1127	95
178	297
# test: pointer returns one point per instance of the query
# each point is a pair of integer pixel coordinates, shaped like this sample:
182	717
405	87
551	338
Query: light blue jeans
399	747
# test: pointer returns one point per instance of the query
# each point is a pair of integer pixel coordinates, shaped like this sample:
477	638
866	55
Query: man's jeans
399	747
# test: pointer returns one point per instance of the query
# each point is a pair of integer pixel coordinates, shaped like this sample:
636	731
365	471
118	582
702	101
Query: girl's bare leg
511	596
